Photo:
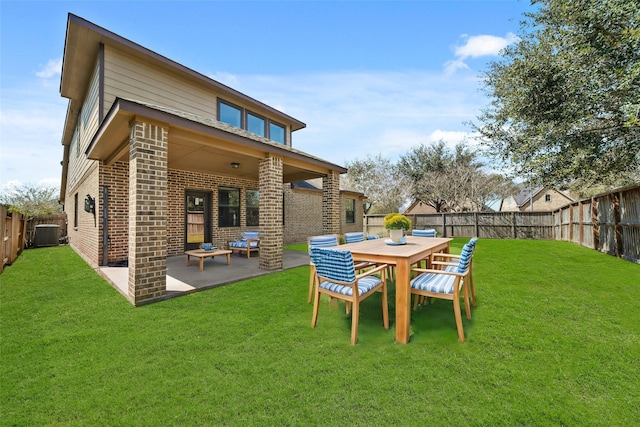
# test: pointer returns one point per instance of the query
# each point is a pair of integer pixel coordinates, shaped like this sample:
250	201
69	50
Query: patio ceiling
202	145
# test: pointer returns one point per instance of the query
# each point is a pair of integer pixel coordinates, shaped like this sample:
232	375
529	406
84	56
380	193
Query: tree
377	179
451	180
566	98
32	200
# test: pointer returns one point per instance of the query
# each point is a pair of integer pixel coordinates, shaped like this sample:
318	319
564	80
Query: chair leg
385	307
458	315
312	280
354	322
416	300
316	305
347	307
473	291
467	307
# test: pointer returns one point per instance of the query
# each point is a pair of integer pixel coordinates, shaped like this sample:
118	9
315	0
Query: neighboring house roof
419	207
523	198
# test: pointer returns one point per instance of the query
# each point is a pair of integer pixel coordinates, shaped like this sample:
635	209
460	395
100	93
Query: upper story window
256	124
350	207
547	197
250	121
230	114
276	132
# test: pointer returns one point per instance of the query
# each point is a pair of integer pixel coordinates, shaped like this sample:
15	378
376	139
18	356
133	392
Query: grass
555	340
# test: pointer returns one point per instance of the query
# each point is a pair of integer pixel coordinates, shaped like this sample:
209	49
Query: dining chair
449	262
424	233
324	241
336	277
446	285
354	237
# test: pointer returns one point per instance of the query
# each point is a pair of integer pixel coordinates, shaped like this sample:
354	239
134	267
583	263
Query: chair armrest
445	255
370	272
453	264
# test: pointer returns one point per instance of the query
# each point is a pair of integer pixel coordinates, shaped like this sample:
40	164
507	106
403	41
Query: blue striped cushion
431	282
424	233
364	285
334	264
354	237
250	235
242	244
465	258
473	242
326	241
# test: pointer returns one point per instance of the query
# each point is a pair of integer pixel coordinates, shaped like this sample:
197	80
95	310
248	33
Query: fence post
594	223
617	231
475	216
513	221
444	225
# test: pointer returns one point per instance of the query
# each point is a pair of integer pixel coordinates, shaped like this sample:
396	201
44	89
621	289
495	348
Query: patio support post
331	203
147	212
271	229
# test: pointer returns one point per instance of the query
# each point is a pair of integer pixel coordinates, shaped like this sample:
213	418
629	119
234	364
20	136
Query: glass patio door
197	219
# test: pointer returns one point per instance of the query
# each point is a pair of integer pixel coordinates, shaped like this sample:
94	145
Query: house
419	207
159	158
543	198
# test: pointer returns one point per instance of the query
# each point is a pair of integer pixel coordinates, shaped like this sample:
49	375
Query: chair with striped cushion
424	233
250	241
336	277
324	241
449	262
354	237
446	285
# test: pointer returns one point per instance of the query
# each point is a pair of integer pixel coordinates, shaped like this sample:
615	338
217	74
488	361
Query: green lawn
554	341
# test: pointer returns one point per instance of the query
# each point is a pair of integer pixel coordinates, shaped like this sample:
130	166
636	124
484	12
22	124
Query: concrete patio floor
183	279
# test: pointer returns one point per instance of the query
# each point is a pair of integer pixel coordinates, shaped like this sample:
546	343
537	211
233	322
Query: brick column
147	212
331	203
271	214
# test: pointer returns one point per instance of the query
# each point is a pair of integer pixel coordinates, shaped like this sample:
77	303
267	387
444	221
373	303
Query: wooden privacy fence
608	223
13	232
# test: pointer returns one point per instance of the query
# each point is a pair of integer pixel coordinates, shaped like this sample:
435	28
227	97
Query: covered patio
183	279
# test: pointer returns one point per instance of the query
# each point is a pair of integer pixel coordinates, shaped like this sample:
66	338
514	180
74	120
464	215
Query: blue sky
367	77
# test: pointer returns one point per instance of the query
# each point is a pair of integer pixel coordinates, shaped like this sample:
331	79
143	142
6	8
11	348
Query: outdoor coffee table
201	254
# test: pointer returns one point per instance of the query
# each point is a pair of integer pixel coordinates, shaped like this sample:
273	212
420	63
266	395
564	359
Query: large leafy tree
566	98
31	200
451	180
376	177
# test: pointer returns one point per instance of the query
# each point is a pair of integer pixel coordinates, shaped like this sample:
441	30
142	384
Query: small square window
547	197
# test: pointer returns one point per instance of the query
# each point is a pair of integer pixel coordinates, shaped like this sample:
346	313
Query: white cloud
52	69
476	47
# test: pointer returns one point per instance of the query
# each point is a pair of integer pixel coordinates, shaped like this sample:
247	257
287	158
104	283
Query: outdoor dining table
403	257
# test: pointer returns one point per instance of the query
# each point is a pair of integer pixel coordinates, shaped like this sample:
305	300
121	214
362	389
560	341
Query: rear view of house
159	158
